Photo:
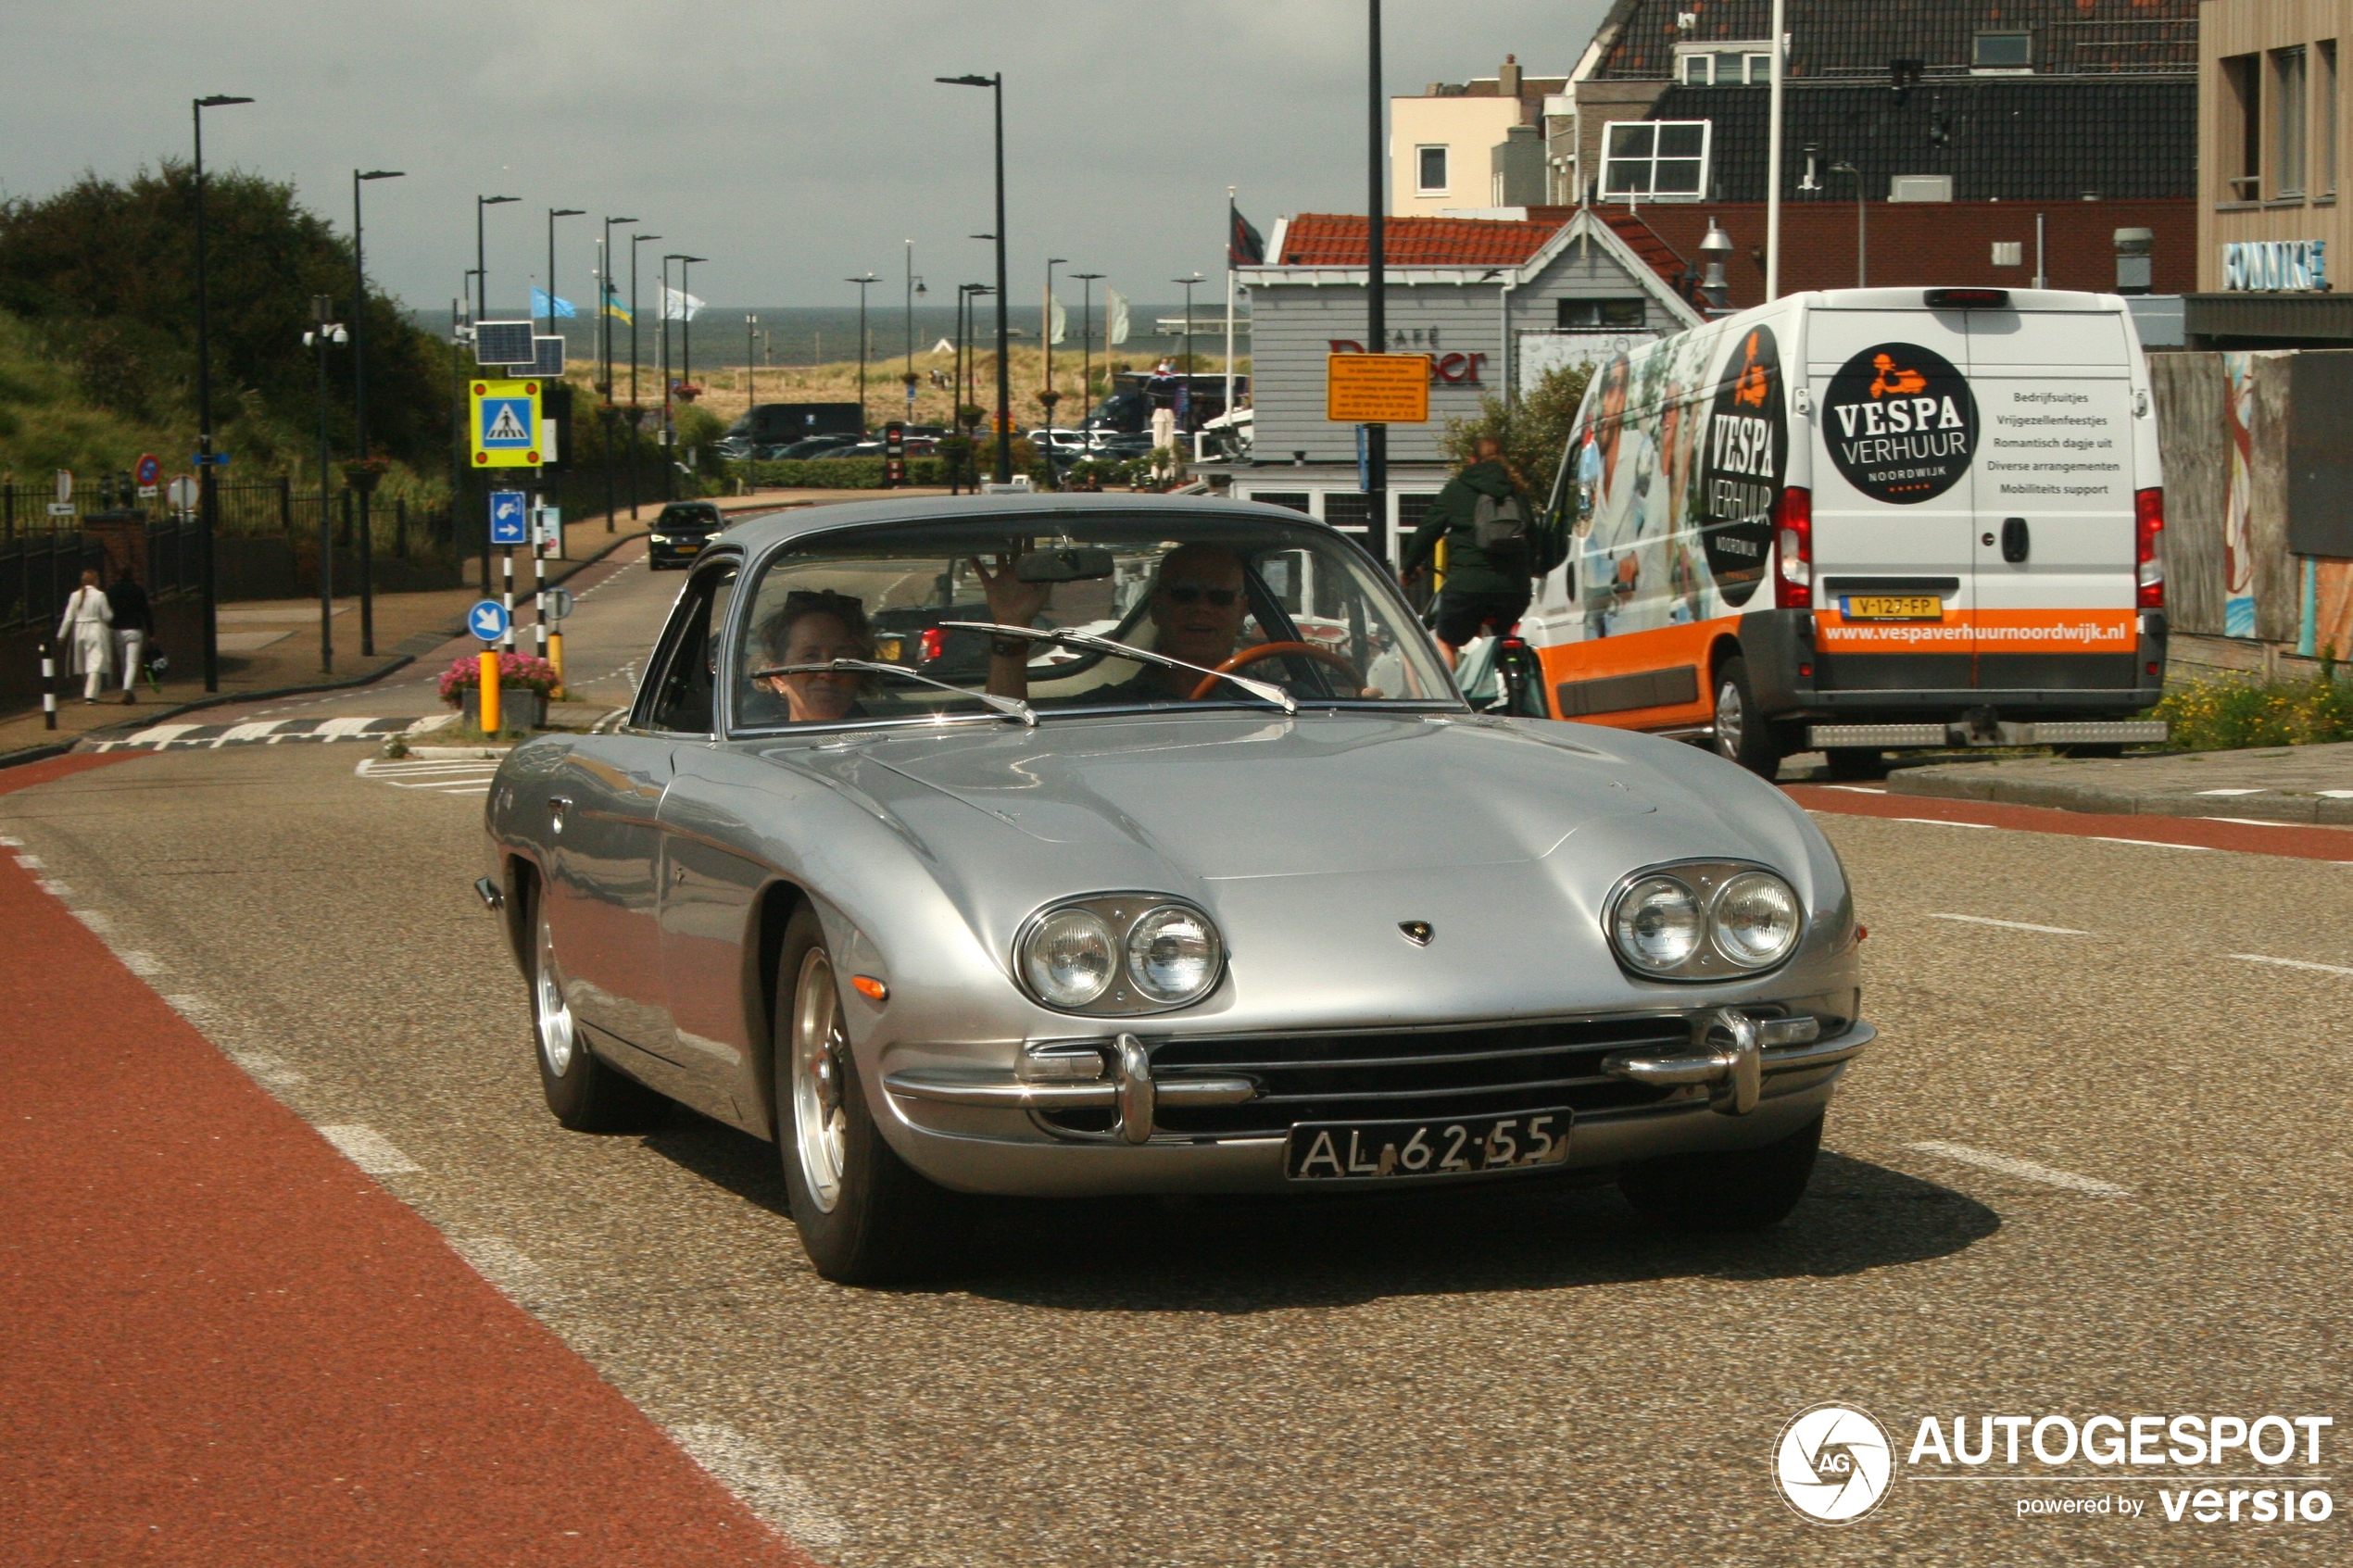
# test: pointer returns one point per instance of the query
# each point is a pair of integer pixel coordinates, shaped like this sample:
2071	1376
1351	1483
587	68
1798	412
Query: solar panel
549	360
505	343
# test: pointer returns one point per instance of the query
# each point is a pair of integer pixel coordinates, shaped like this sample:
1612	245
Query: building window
2324	133
1599	315
1657	160
2242	120
1429	170
2004	52
1726	65
2287	124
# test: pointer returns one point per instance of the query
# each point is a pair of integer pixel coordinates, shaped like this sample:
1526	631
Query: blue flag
539	303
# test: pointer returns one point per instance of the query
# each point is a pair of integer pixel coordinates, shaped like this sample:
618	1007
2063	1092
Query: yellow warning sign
1376	389
505	423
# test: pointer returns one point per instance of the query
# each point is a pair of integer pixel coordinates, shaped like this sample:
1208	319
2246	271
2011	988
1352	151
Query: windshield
684	519
1283	605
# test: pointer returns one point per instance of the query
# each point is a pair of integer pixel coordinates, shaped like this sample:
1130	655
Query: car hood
1240	799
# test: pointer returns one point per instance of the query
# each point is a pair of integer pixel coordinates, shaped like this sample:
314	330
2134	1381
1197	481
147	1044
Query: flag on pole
613	307
677	304
1114	317
1058	318
1245	246
540	299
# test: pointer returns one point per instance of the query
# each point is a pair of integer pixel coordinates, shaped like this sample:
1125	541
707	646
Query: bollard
556	657
49	687
490	714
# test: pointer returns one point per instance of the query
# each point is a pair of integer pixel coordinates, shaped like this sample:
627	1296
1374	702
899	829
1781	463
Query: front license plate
1894	606
1345	1151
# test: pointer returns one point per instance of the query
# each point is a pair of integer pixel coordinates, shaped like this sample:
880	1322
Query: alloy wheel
558	1038
820	1122
1728	720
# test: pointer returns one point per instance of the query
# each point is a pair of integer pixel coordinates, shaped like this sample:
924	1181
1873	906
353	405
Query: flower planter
517	711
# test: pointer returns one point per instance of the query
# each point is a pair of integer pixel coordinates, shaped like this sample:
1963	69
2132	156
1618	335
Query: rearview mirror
1075	565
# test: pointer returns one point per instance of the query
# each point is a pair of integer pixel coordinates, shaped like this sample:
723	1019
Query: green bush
839	474
1534	430
2231	713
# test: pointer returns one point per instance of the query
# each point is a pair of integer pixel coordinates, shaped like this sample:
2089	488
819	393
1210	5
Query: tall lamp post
1046	332
1375	278
554	213
752	358
687	321
1184	358
995	82
481	260
669	431
208	490
636	415
1086	339
914	287
605	389
1862	233
324	332
862	284
360	407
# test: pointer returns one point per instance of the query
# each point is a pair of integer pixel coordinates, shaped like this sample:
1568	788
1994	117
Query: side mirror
1077	565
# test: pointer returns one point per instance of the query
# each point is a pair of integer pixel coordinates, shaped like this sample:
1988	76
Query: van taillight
1793	537
2148	545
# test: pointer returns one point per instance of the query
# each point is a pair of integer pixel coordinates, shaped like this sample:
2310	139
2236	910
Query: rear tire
1741	733
586	1093
864	1216
1743	1190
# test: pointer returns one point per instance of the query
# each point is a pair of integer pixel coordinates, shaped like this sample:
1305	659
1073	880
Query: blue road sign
488	619
507	424
508	524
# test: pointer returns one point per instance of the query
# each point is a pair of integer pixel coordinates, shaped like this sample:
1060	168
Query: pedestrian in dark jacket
1485	589
133	624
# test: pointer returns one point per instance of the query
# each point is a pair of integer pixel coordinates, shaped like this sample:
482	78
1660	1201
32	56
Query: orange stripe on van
1634	653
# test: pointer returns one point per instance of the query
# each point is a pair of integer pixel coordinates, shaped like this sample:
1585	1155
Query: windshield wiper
1266	689
1009	707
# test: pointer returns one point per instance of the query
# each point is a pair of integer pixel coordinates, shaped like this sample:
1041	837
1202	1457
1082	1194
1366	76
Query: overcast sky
794	143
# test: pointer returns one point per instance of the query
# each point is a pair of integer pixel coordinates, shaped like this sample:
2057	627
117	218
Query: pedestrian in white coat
87	630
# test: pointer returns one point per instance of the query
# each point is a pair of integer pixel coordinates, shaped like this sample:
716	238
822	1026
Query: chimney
1507	79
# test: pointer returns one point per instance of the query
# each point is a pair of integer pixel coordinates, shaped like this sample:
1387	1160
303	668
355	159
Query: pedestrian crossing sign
506	423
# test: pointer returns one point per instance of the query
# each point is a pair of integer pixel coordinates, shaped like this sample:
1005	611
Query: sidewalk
2294	783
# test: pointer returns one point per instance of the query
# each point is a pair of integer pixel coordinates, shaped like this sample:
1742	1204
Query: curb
401	661
2110	801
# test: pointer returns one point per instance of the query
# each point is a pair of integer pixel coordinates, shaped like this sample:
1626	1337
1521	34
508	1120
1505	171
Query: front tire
1740	1191
586	1094
1743	735
864	1216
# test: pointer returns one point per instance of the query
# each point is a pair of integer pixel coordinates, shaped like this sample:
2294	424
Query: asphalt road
1505	1375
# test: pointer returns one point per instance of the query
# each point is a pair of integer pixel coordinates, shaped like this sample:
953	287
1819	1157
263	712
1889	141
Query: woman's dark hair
775	633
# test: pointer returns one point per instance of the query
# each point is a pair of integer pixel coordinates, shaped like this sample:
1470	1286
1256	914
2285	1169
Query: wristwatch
1009	647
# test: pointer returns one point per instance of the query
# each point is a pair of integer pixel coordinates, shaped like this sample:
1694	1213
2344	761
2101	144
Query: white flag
1115	318
1058	317
678	306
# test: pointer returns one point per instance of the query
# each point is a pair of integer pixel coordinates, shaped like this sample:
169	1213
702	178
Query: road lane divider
753	1474
2013	925
2293	963
2026	1170
369	1150
1940	822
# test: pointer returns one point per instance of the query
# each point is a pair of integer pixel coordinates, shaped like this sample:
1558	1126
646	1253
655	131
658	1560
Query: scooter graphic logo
1833	1464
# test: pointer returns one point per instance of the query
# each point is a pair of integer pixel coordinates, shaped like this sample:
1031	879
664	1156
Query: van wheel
1743	1190
864	1216
1741	733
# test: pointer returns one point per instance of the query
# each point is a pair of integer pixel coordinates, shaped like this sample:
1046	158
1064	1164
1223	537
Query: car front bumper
1739	1084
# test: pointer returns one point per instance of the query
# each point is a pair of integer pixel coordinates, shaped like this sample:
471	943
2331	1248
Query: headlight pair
1704	920
1119	954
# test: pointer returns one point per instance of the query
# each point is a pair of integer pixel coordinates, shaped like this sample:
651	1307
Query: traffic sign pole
506	564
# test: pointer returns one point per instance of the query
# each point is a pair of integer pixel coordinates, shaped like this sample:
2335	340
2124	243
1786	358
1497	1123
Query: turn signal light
1794	539
870	988
2148	545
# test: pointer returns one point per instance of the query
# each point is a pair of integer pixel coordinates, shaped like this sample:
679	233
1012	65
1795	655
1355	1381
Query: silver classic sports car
1085	845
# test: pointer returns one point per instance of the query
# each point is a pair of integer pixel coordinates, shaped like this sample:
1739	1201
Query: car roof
756	533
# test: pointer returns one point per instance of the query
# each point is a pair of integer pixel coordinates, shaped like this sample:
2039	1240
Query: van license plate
1894	606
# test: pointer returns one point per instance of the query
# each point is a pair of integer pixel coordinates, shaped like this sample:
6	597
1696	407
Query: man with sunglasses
1196	609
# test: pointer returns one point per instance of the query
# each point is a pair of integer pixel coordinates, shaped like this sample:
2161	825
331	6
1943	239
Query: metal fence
41	568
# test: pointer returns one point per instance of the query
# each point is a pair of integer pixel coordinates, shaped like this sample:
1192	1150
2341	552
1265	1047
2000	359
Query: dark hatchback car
680	532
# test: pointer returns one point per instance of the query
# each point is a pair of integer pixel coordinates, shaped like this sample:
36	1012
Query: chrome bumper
1070	1079
1733	1053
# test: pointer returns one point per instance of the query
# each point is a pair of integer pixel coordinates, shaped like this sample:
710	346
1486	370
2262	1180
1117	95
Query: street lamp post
751	358
995	83
1086	339
635	414
207	491
668	442
1046	331
1862	234
862	284
686	323
360	407
554	213
914	287
605	389
482	261
1375	279
1185	356
323	331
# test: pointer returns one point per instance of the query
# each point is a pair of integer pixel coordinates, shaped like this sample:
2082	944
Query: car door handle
557	805
2015	540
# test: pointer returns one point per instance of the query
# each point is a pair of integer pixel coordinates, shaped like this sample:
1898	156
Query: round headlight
1173	954
1658	924
1069	957
1755	920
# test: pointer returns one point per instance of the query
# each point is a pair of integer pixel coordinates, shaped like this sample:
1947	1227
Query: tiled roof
2000	138
1337	239
1841	38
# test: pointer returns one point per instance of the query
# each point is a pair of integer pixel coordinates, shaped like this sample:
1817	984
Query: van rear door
2052	552
1893	514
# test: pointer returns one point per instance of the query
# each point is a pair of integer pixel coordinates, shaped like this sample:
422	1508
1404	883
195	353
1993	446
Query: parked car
1117	443
680	532
1231	893
1058	443
815	446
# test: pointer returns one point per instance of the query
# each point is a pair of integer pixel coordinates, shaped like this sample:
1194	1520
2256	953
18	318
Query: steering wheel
1273	650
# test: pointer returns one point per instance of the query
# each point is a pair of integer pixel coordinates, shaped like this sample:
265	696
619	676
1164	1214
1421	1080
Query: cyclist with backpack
1489	531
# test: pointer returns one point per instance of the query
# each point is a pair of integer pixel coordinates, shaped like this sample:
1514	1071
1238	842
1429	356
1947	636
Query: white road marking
2011	1166
271	1072
190	1006
1940	822
2293	963
2231	792
369	1150
2255	821
2014	925
513	1275
2331	794
147	966
753	1474
97	922
54	888
2152	843
1860	789
31	861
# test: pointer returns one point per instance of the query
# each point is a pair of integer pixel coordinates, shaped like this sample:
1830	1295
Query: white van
1866	519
